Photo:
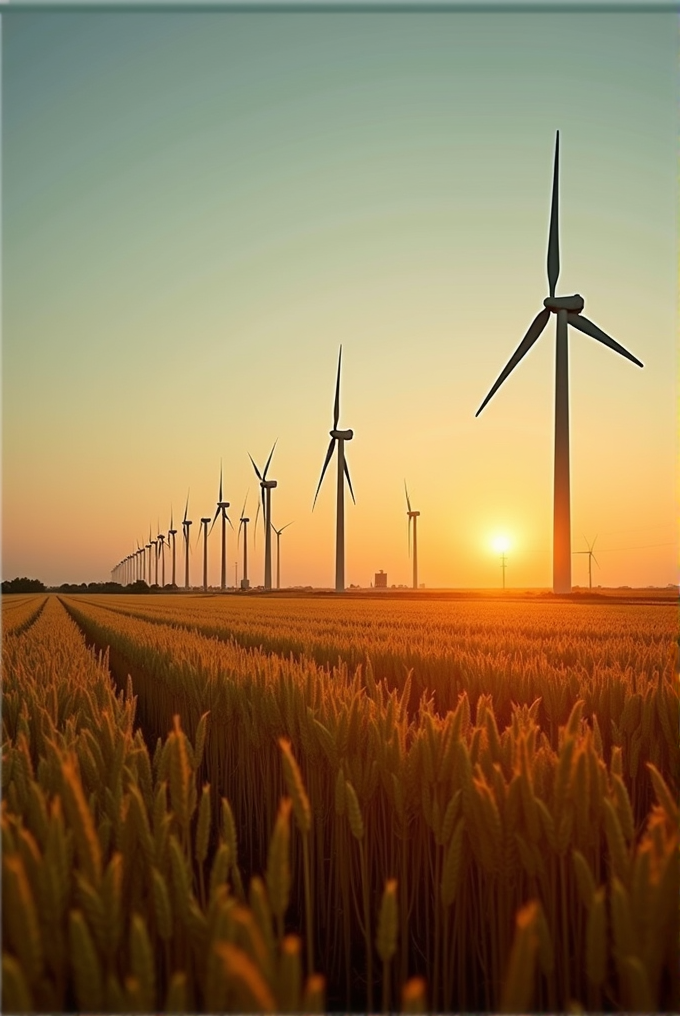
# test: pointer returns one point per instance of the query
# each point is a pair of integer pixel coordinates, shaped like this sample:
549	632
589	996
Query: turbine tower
278	551
222	509
591	558
172	532
204	523
161	540
154	544
148	547
412	518
338	437
266	487
243	524
186	523
568	312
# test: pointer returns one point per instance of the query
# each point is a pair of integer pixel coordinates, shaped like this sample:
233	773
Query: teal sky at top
198	208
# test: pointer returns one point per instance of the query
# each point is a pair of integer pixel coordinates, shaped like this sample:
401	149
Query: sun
501	543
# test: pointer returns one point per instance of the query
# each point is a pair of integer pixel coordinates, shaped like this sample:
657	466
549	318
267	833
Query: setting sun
501	543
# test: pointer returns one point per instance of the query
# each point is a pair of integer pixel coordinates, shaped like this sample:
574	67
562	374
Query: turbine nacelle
341	435
223	504
413	515
245	520
172	532
270	484
573	303
205	521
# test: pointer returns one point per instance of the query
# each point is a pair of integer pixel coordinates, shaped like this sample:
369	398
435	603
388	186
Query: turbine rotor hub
573	303
269	483
342	435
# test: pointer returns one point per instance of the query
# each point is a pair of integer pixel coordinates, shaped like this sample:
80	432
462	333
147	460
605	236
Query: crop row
121	884
620	663
480	814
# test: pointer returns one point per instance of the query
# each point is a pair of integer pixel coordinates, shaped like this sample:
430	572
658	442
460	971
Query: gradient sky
198	208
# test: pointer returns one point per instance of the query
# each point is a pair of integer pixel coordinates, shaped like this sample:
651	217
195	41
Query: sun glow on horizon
501	543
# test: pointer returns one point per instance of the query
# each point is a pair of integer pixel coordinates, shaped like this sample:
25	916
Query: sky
199	208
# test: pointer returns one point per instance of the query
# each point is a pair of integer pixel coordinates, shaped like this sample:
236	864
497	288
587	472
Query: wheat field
308	804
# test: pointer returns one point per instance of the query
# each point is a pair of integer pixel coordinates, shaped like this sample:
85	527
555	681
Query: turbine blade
186	507
286	526
554	237
329	456
238	536
220	479
336	407
213	523
534	330
408	503
243	510
229	521
596	561
257	515
349	481
410	520
588	328
257	471
264	475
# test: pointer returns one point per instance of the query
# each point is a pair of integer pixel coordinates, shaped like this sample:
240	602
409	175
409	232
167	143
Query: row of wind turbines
568	312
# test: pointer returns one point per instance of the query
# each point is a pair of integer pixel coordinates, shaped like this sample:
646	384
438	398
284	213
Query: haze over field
199	208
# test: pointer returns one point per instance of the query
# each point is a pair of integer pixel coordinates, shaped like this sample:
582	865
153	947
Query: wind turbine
338	437
278	551
186	523
172	532
222	508
568	312
266	487
591	558
204	523
243	524
161	540
412	518
148	547
154	544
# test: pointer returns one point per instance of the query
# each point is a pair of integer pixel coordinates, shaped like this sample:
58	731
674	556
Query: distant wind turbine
243	524
154	544
278	551
186	523
266	487
338	437
412	518
161	552
591	558
568	311
148	547
172	533
222	509
205	523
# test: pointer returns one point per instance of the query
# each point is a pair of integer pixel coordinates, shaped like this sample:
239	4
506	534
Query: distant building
381	580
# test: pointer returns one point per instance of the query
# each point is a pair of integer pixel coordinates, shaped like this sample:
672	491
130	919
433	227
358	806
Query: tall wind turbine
186	523
338	437
412	518
278	551
243	524
266	487
591	558
568	312
172	533
222	509
204	523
